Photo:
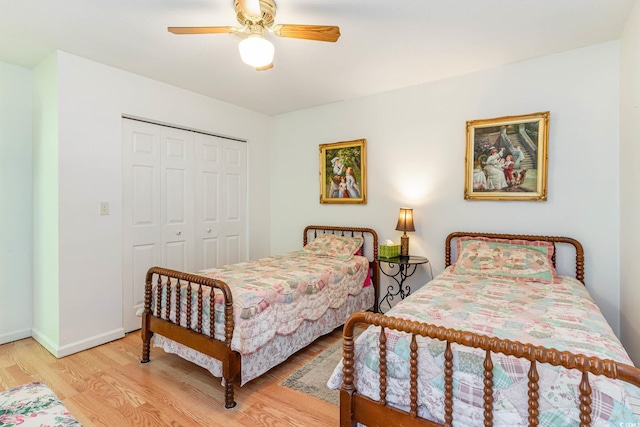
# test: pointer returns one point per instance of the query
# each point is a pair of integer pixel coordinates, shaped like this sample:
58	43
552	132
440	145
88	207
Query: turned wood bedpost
230	366
585	401
579	260
189	306
347	389
488	389
144	331
413	376
199	317
178	299
533	394
167	303
383	365
448	385
159	297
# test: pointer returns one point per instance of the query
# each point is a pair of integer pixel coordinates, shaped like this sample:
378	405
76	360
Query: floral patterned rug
33	404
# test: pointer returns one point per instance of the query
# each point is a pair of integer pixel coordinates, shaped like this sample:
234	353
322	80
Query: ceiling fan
256	17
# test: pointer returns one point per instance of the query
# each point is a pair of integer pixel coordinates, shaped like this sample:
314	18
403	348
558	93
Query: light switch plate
104	208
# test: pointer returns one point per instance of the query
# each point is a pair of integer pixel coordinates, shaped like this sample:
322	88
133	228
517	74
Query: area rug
32	405
313	376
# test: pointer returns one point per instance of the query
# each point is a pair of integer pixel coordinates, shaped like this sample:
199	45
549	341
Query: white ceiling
385	44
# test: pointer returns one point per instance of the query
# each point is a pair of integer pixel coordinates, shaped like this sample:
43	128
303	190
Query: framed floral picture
343	172
506	158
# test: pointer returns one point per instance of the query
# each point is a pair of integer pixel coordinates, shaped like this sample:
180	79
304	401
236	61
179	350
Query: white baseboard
66	350
44	341
15	336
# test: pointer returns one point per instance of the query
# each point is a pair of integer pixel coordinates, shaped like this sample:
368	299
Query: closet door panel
208	203
211	252
233	249
143	256
210	225
178	249
234	220
142	224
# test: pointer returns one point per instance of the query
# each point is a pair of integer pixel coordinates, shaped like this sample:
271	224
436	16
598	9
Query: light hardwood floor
108	386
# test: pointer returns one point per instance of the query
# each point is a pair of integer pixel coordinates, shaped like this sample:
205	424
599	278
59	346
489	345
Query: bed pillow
519	259
333	245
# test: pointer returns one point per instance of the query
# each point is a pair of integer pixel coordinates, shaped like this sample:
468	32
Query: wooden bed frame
203	341
357	408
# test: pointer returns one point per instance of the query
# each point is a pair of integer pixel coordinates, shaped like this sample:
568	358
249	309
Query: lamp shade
256	51
405	220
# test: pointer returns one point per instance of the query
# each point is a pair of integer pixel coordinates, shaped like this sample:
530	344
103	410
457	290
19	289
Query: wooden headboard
369	248
450	241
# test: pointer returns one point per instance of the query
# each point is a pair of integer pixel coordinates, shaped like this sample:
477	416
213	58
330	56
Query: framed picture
506	158
343	172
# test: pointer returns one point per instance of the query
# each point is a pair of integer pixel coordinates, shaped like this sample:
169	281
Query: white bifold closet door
184	205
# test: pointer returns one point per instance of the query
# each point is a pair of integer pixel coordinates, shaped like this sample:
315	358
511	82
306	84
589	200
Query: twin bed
497	339
265	310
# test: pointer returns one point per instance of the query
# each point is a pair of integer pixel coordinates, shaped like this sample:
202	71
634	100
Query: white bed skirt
281	346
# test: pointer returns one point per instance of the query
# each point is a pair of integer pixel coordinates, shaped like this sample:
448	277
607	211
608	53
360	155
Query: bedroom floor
107	386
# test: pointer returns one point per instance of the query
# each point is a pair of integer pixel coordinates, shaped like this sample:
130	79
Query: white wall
416	151
415	138
46	296
15	203
629	182
91	101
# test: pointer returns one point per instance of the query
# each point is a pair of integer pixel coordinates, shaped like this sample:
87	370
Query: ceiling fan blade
202	30
323	33
265	68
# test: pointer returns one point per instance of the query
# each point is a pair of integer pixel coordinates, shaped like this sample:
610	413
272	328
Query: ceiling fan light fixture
256	51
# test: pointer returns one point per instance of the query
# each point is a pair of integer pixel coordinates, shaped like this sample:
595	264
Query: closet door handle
178	232
208	230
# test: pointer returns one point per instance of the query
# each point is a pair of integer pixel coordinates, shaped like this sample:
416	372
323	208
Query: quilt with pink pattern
559	315
274	295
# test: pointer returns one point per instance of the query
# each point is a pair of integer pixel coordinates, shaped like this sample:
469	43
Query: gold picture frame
343	172
506	158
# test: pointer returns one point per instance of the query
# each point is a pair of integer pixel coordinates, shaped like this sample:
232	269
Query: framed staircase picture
506	158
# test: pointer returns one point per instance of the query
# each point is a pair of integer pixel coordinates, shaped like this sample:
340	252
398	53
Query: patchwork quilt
558	315
32	405
274	295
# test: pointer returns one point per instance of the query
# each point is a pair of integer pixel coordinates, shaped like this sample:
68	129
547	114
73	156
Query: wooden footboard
157	319
357	408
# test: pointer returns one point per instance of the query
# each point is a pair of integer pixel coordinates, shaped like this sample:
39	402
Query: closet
184	204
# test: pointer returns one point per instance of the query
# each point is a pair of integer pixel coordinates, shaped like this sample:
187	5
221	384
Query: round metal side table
399	269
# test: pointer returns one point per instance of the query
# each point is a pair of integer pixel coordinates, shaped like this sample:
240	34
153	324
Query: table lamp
405	223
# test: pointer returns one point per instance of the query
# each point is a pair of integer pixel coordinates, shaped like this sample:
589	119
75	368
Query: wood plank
108	386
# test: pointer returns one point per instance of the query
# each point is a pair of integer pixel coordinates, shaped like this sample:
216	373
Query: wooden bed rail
554	239
352	405
157	319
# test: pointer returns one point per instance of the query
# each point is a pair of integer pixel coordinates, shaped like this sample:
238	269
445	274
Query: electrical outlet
104	208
